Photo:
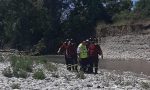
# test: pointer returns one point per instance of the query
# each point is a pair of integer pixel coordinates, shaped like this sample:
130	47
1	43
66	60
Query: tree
142	8
83	18
117	6
53	35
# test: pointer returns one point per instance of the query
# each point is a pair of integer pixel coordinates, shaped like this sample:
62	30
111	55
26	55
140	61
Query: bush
22	63
145	85
124	17
20	73
80	75
7	72
15	86
39	74
39	48
50	67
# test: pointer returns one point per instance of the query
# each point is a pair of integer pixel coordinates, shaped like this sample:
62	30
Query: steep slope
125	42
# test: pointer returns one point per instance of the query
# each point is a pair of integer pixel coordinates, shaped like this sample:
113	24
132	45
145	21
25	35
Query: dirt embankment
125	41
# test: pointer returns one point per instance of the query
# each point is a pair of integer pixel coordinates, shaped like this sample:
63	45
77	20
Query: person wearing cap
82	54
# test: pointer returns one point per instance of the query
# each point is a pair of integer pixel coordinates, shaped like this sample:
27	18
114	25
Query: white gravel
126	47
105	80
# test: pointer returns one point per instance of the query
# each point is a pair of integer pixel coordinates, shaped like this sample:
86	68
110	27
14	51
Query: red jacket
63	48
71	50
94	50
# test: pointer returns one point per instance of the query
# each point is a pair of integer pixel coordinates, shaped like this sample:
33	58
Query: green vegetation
50	67
7	72
145	85
22	63
80	75
21	66
39	26
19	73
15	86
39	74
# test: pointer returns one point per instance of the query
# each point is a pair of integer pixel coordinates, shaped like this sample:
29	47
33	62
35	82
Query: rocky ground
120	47
127	46
65	80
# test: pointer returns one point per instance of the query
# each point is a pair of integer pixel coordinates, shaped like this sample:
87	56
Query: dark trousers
93	63
67	60
71	63
84	64
75	63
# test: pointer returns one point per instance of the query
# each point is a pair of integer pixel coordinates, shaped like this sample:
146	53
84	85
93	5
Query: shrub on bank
22	63
20	73
7	72
50	67
39	74
80	75
15	86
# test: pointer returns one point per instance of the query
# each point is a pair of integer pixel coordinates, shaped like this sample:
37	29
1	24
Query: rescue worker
71	55
94	51
62	49
82	54
87	43
75	62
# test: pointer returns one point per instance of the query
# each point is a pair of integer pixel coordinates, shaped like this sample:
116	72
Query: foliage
116	6
145	85
123	16
80	75
39	74
15	86
50	67
7	72
39	48
142	8
83	18
22	63
40	25
20	73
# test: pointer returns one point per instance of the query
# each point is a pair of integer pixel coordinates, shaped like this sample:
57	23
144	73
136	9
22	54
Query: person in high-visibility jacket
82	53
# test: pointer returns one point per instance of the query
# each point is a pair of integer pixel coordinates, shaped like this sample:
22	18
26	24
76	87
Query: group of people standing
86	54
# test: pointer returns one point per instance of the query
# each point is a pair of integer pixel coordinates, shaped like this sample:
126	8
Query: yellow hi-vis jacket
82	51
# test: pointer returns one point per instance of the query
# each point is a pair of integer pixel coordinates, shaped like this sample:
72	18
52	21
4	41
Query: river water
137	66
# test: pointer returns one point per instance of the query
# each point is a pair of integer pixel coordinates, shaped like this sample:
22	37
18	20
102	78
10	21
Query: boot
76	68
96	69
69	67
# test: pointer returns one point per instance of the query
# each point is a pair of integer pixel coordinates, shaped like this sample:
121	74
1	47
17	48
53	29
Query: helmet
90	39
67	40
87	40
